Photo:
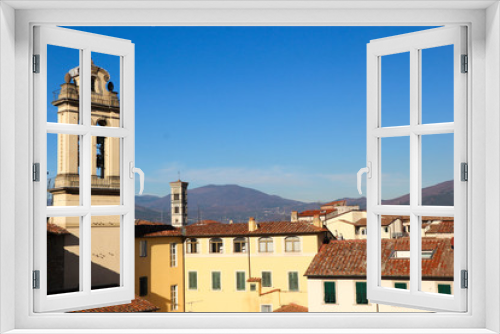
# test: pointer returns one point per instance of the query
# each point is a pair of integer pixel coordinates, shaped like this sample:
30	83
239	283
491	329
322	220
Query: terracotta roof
207	221
137	305
336	203
292	307
264	228
56	229
347	258
311	213
145	228
384	222
443	227
254	279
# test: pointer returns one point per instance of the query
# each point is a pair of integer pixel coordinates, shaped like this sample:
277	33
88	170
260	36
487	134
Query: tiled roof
443	227
145	228
347	258
384	222
56	229
137	305
311	213
241	229
292	307
207	221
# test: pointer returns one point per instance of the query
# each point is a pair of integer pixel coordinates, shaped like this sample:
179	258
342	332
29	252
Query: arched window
240	245
216	245
292	244
192	246
266	245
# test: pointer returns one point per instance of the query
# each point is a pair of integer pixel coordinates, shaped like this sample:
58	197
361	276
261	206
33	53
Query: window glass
173	255
105	169
106	250
193	280
240	281
266	279
293	281
216	284
395	95
395	169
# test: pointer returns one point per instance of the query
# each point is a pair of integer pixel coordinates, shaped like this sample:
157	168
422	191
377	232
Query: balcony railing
73	95
73	181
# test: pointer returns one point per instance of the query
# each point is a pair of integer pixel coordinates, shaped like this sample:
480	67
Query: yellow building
249	267
159	265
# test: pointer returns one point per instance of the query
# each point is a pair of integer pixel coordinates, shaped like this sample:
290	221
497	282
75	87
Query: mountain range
233	202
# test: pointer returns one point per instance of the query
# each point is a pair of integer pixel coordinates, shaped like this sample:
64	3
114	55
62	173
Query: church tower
178	198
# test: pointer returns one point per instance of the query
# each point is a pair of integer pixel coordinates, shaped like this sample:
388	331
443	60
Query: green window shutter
266	279
293	281
444	288
216	280
401	286
330	296
240	281
361	293
193	280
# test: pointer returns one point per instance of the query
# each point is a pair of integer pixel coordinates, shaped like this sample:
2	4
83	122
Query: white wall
7	159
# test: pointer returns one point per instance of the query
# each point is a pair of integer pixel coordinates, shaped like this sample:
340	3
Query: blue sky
278	109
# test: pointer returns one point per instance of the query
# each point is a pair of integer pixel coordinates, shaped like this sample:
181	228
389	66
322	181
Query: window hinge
465	279
36	279
464	167
36	172
36	63
465	64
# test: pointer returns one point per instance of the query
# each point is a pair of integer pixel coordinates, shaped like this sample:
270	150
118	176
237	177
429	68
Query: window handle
139	171
368	171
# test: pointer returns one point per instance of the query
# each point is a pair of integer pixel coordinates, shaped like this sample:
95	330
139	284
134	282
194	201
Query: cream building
105	180
336	277
249	267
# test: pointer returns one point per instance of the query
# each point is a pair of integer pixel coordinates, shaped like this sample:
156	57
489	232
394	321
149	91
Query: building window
240	245
253	287
330	297
193	280
266	245
401	285
174	298
216	245
143	286
292	244
361	293
240	281
386	229
266	308
176	197
267	279
293	281
444	288
173	254
176	209
363	231
192	246
143	248
216	284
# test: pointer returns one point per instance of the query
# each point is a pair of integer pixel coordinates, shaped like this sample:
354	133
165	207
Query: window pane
266	279
437	84
361	293
216	280
395	249
105	248
437	169
63	80
193	280
395	170
105	171
240	281
105	87
437	253
329	290
293	281
63	254
395	91
63	170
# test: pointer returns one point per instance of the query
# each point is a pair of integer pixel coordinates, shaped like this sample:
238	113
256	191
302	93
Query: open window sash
414	43
83	294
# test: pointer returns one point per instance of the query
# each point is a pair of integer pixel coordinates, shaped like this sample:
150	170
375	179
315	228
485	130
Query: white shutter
83	295
414	43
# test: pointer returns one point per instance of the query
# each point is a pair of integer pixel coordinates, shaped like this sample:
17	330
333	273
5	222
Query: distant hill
225	202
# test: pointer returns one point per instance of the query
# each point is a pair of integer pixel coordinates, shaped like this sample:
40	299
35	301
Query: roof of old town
137	305
347	258
56	229
292	307
443	227
222	230
311	213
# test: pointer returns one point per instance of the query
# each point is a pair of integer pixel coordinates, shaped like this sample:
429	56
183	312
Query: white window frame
173	254
16	18
376	133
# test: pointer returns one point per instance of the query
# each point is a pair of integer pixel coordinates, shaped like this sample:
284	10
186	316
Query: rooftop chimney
230	221
317	221
252	225
295	216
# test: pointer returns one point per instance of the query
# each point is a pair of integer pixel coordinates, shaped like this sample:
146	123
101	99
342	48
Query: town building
336	277
178	199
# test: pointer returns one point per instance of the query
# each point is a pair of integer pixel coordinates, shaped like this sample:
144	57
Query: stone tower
105	180
178	198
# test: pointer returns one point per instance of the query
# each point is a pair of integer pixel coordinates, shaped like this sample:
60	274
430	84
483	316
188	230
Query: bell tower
178	198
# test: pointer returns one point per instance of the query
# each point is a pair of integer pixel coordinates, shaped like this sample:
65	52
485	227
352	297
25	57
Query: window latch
368	171
36	63
36	279
465	279
36	172
139	171
464	171
465	64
